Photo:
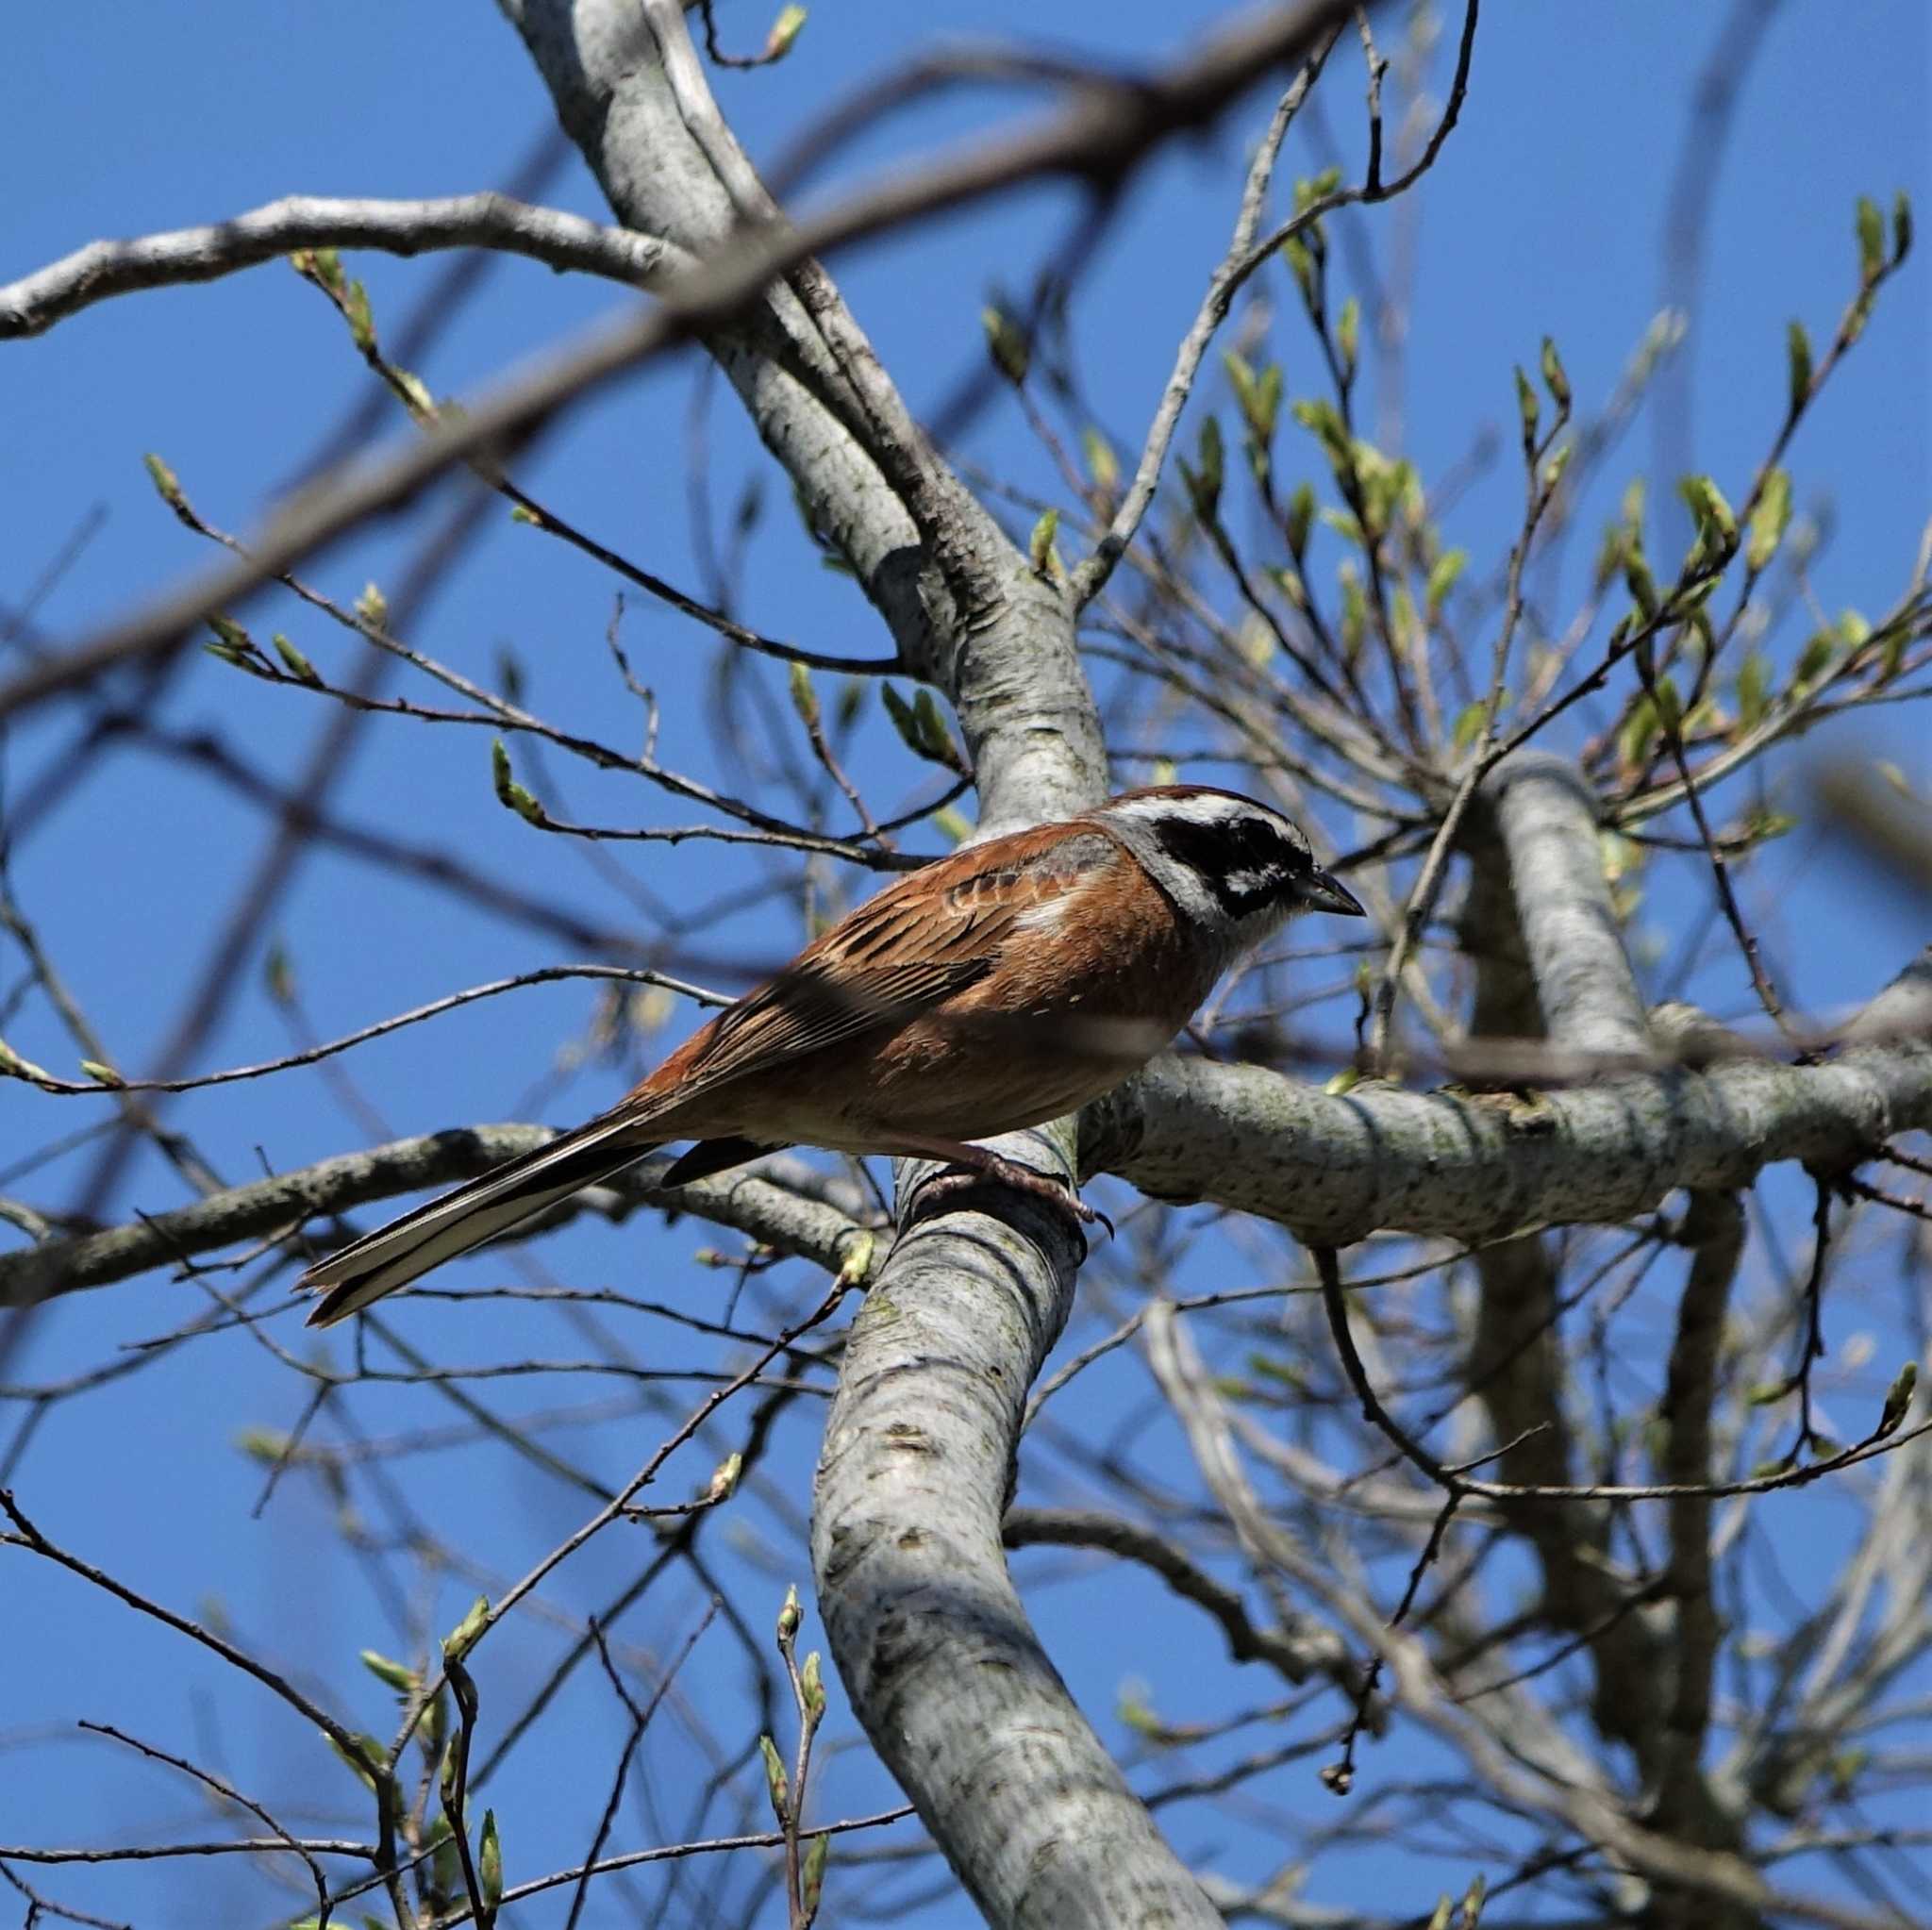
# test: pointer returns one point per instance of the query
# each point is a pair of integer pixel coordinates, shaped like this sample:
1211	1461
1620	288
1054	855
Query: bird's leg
985	1166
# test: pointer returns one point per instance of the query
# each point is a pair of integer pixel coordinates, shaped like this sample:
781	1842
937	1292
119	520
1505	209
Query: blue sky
1544	217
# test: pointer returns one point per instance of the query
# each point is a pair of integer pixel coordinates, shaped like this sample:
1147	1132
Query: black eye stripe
1245	864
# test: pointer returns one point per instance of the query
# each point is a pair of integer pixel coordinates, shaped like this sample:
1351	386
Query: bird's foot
984	1167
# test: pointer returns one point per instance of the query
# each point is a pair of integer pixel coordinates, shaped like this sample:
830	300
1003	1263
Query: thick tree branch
1334	1168
103	269
944	1671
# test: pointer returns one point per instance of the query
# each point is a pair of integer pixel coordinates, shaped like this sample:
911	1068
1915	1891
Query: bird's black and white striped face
1230	864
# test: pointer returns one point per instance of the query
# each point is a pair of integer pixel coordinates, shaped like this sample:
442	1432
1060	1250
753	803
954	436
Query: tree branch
103	269
272	1208
1334	1168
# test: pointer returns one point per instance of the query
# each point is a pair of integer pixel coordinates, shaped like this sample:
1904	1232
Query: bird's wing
925	939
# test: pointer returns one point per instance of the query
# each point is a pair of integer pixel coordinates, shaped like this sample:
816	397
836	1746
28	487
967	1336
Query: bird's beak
1320	893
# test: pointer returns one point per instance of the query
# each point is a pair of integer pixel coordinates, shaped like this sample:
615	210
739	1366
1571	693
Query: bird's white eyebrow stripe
1190	810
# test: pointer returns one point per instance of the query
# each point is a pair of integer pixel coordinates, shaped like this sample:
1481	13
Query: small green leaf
723	1481
463	1637
1670	706
508	791
1898	1398
1348	327
167	484
372	608
1040	544
805	700
1555	380
1717	527
811	1882
1204	480
1300	262
1639	581
1102	464
1443	573
368	1758
1813	658
785	30
1639	733
356	312
1296	519
391	1675
294	661
489	1862
1527	409
1004	342
1754	690
1769	519
919	727
778	1785
1798	356
1469	724
1871	227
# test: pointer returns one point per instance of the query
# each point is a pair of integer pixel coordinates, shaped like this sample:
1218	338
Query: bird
985	991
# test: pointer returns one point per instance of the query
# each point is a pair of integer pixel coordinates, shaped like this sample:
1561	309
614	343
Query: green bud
1347	335
1040	544
1870	227
811	1682
1527	409
1102	464
294	661
1769	519
1300	262
101	1075
361	323
391	1675
1898	1398
778	1785
167	484
368	1757
1204	481
1754	690
1296	519
1639	733
508	791
811	1881
372	608
1813	658
790	1616
1554	379
1444	573
416	396
785	30
1901	227
723	1481
463	1637
1798	356
805	699
489	1862
1717	527
1009	347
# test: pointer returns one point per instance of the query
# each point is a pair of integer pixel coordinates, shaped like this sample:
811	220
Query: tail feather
502	1198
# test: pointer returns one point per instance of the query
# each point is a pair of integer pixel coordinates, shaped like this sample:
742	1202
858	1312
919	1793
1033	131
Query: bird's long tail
504	1197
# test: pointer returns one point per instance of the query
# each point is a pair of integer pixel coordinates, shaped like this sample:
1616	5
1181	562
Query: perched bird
990	990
